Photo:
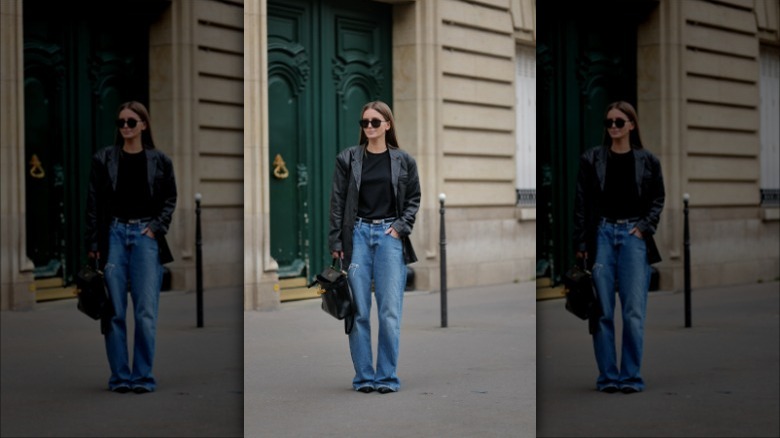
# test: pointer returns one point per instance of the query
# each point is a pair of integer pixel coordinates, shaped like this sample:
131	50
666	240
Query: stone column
416	108
17	287
172	104
260	278
660	103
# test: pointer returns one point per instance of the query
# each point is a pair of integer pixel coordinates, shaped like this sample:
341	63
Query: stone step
292	289
546	291
51	288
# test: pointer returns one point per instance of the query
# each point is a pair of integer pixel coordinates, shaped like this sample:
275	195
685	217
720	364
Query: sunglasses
374	122
619	123
131	123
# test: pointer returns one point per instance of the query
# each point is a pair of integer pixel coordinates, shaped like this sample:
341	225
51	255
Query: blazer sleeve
338	198
410	187
654	194
165	194
582	201
97	181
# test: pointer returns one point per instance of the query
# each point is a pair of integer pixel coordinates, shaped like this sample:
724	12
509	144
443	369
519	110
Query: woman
620	195
374	202
131	198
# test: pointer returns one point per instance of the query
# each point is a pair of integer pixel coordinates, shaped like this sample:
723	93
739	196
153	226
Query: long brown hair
143	113
383	109
627	109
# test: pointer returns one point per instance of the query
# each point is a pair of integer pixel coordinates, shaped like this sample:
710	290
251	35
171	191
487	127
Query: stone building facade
456	69
704	79
187	67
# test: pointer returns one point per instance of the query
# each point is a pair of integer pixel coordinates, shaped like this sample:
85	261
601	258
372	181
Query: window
770	131
525	127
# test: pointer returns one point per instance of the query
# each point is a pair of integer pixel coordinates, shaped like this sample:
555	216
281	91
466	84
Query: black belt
122	220
620	221
375	221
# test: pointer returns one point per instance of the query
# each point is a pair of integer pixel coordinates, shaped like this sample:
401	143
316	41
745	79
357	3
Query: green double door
326	59
585	65
77	71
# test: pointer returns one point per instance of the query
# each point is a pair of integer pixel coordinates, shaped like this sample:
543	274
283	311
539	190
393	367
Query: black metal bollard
687	262
198	262
443	265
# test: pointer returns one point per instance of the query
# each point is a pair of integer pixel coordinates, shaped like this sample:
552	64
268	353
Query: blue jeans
133	263
379	257
621	262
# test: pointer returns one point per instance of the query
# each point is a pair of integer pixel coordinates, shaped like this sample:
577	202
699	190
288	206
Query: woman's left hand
148	232
391	231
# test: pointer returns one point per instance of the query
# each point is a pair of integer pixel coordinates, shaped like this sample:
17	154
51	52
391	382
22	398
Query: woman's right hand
581	254
93	254
338	254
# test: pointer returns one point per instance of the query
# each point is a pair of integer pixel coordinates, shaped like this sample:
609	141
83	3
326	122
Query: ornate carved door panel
76	73
585	65
326	59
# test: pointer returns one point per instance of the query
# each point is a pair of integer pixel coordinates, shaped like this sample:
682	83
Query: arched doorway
585	65
78	68
325	60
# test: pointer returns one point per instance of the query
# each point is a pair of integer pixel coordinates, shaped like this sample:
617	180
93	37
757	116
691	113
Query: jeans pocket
391	233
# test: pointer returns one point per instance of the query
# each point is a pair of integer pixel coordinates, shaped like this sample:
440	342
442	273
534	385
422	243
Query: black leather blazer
100	196
590	187
344	199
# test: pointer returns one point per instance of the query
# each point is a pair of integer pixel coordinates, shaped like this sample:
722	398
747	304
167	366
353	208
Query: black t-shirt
620	199
132	199
376	199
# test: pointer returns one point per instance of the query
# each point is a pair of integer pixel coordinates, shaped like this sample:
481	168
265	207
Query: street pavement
291	376
720	377
507	365
474	378
54	372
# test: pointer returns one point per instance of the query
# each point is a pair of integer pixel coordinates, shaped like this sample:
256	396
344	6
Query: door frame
98	67
326	133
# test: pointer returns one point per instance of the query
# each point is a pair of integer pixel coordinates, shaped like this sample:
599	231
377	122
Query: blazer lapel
640	169
601	166
357	165
395	169
151	168
112	164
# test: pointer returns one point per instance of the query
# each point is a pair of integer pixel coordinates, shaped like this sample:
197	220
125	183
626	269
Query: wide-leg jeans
379	257
133	264
621	263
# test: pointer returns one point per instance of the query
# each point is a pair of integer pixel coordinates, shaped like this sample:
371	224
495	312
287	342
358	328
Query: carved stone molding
106	67
595	67
358	72
290	61
48	57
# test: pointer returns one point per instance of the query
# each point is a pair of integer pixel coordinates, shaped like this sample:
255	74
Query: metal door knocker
280	171
36	171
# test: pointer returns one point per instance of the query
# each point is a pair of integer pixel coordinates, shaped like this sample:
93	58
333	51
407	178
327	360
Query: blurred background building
705	79
460	77
64	73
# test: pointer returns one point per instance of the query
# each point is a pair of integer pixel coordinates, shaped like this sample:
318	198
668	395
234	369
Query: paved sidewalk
475	378
718	378
478	377
54	373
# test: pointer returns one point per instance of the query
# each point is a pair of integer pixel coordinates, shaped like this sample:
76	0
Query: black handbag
336	295
93	299
581	298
